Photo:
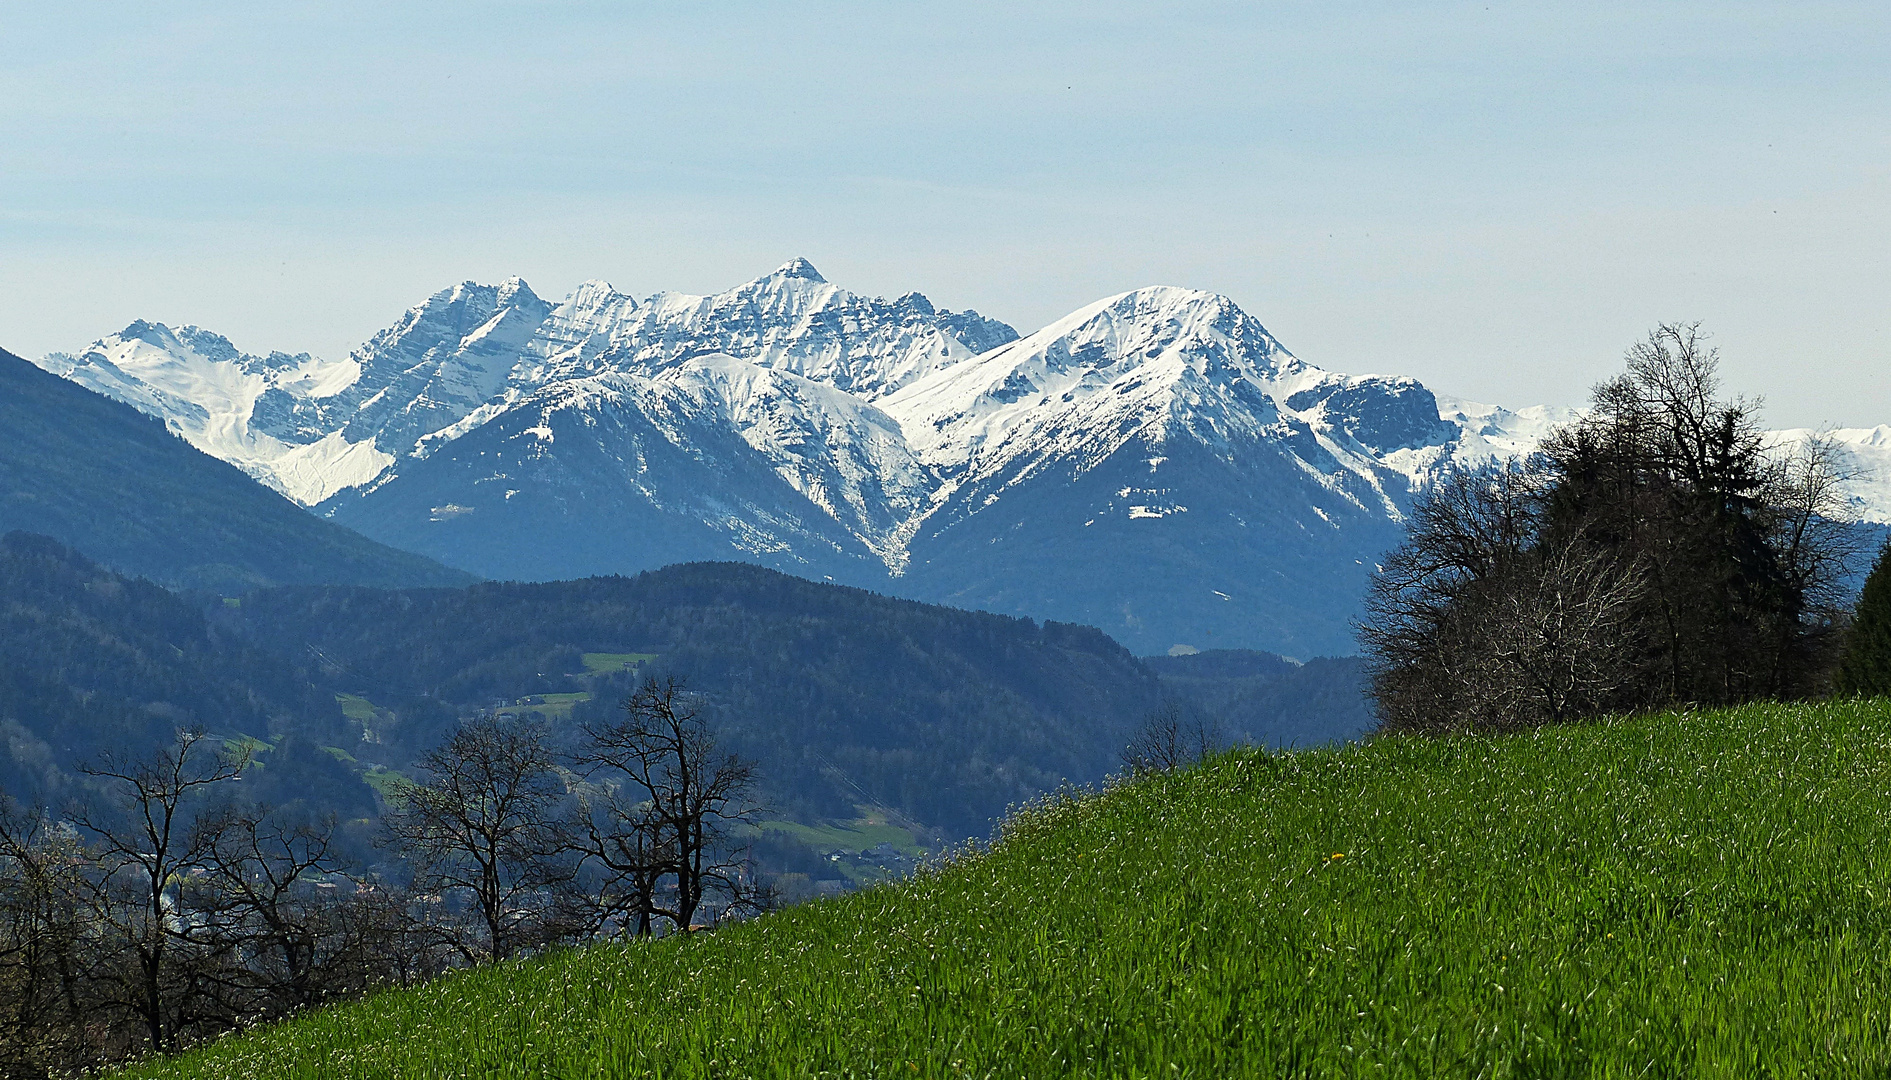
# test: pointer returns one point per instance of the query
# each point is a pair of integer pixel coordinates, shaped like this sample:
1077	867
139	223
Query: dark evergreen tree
1865	669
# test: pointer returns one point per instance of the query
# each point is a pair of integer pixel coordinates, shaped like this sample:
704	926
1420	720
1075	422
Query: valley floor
1694	895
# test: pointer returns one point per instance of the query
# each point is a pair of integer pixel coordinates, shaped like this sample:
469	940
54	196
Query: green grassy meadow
600	663
864	832
1675	895
355	707
549	706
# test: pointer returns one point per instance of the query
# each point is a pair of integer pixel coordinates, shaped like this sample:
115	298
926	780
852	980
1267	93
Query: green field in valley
549	706
602	663
390	784
867	832
1674	895
355	707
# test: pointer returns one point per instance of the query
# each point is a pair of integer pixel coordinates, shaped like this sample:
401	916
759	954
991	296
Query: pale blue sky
1496	198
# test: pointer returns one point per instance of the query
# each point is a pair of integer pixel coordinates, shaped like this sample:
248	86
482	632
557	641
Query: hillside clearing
1700	895
599	663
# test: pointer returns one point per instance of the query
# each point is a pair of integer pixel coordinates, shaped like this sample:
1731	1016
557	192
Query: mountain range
1155	464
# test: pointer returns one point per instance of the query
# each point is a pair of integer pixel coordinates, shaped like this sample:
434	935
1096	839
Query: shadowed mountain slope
103	477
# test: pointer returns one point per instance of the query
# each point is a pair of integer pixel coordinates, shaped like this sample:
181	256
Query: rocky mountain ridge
1156	463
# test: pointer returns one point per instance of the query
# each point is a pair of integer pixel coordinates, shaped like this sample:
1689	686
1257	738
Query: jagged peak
505	292
514	292
596	291
151	333
481	298
800	269
208	343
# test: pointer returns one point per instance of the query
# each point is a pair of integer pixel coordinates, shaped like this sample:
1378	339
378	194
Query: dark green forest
91	661
1865	667
842	695
848	701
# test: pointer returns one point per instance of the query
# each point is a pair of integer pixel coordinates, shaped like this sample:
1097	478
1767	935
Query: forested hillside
844	697
92	662
113	483
1260	699
850	702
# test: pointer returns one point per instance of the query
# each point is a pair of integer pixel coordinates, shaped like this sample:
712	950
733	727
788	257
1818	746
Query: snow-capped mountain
1155	464
792	320
209	392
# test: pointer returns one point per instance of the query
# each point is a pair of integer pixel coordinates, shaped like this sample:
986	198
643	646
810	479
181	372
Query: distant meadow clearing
1703	894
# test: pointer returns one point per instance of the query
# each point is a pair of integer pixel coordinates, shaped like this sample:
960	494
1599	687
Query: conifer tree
1866	666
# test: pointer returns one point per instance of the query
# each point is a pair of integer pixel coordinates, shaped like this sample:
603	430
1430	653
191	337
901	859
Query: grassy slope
1704	895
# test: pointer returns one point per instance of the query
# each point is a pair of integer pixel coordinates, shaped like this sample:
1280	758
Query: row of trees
1655	552
167	908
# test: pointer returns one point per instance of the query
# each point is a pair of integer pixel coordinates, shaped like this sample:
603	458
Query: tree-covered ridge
843	696
112	482
1260	699
91	660
941	718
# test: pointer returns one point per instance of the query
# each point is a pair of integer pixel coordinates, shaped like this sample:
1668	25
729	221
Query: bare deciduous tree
1169	740
1805	491
140	847
621	838
257	890
680	796
1562	637
486	822
44	998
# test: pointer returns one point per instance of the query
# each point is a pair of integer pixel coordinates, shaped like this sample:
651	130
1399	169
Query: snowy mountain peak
445	358
575	332
593	294
799	268
514	291
179	340
151	333
1130	351
1205	332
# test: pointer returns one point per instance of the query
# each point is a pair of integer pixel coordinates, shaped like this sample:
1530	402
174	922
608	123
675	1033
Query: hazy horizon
1495	202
